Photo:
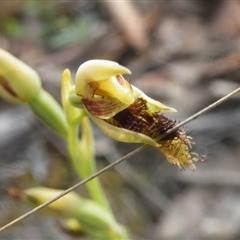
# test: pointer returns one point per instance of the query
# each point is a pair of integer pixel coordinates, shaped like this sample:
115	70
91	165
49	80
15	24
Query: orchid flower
125	113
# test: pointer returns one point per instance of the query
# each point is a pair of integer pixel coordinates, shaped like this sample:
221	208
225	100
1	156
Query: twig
206	109
223	99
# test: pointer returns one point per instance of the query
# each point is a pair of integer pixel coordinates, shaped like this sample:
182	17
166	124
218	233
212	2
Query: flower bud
18	82
94	220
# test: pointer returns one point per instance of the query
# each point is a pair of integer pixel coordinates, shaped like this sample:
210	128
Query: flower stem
50	112
83	160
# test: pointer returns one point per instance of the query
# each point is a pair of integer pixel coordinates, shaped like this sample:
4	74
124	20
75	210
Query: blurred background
185	54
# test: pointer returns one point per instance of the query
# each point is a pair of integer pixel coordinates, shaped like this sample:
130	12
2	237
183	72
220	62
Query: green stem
50	112
84	163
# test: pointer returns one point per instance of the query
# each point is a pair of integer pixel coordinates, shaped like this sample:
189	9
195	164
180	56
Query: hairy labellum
175	146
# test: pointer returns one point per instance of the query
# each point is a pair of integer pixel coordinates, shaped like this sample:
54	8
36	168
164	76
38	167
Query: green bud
94	220
18	82
65	206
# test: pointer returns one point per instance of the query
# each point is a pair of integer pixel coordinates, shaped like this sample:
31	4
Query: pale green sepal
121	134
50	112
73	114
153	105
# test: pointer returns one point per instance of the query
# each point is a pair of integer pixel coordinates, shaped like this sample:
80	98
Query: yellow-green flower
125	113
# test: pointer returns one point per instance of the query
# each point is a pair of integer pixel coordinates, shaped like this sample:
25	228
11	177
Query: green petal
152	104
121	134
73	114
